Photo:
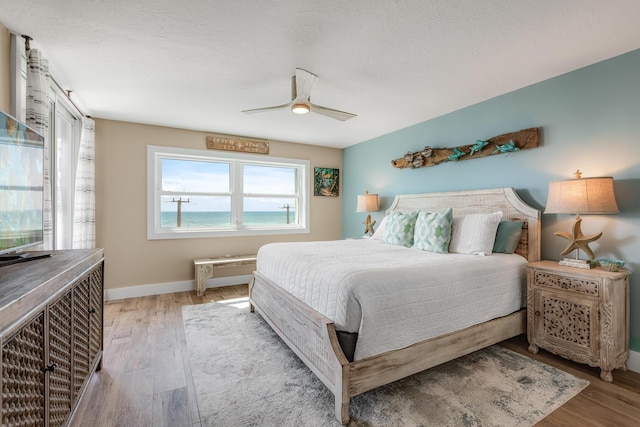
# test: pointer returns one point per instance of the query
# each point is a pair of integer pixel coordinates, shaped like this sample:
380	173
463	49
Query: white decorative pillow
474	234
433	231
400	227
379	233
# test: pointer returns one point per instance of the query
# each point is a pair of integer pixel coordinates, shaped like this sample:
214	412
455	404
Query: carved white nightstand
579	314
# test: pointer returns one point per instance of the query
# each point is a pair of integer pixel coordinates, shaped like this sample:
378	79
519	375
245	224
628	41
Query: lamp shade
582	196
367	202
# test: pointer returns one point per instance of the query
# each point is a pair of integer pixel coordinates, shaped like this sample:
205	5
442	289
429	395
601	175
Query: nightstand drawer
555	281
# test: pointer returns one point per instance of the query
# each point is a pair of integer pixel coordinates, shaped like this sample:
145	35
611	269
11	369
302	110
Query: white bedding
394	296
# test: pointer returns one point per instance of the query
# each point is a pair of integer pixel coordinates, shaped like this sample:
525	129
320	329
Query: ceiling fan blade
275	107
303	83
329	112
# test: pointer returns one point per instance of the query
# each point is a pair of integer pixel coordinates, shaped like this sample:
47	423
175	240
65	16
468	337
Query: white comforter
394	296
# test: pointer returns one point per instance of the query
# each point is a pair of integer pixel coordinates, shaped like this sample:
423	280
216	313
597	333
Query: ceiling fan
301	85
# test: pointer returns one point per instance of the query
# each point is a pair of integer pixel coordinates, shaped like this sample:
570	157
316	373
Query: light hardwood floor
146	379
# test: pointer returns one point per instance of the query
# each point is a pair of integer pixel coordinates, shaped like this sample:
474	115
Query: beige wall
121	207
5	69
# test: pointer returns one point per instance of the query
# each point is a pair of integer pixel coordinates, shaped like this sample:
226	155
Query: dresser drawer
555	281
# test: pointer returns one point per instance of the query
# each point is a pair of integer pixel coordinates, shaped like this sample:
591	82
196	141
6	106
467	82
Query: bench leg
203	272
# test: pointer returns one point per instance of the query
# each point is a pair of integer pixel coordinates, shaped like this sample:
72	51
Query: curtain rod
67	93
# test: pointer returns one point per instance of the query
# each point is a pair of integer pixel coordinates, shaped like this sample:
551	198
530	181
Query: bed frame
312	336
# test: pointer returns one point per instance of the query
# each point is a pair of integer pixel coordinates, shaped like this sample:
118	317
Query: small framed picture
325	182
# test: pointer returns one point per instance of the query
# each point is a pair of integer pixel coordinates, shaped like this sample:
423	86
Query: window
195	193
65	131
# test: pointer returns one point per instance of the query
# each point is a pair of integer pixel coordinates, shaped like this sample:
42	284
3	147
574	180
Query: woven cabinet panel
23	377
80	334
60	385
95	308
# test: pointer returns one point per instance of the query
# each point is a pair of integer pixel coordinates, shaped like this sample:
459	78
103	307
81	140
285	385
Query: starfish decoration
369	226
577	240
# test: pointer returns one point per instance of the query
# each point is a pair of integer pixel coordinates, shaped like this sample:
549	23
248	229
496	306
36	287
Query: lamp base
577	263
577	240
368	226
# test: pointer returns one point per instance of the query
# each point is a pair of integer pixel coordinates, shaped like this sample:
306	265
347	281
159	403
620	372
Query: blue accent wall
589	120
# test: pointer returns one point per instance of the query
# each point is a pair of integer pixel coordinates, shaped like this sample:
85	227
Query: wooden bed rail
313	338
308	333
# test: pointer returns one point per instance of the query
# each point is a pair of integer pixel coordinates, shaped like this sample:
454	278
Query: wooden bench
204	268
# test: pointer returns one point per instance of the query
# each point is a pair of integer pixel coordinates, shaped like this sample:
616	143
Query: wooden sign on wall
238	143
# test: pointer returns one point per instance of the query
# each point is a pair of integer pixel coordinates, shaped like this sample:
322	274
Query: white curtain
38	117
84	212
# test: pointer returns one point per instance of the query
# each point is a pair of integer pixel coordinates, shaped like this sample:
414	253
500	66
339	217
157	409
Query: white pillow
474	234
379	233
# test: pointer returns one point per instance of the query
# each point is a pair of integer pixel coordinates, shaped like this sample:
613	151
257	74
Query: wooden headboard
481	201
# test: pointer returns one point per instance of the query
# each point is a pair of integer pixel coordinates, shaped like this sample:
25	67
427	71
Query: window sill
240	232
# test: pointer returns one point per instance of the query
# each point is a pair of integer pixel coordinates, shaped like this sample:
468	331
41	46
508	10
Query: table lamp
588	196
368	203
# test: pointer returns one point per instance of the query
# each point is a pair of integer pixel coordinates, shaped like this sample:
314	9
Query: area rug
244	375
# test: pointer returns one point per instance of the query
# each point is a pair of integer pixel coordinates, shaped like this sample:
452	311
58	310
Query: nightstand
579	314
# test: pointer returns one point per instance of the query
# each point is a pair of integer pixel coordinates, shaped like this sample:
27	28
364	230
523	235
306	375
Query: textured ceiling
195	64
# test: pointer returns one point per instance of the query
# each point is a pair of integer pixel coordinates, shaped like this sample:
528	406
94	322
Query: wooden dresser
51	329
580	314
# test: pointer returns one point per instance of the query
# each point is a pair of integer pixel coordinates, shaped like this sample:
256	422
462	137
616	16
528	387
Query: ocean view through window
194	193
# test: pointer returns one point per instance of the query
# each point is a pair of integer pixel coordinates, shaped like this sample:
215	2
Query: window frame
155	154
63	196
62	215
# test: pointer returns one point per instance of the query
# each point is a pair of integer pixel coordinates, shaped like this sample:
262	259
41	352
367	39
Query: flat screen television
21	186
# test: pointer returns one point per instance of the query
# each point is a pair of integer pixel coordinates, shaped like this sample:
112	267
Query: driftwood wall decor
238	143
505	143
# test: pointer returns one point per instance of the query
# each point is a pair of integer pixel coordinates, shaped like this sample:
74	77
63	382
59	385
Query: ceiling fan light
300	108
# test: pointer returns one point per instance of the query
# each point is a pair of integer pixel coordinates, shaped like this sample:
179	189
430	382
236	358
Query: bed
315	329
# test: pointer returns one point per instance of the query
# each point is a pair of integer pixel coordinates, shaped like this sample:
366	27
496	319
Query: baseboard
634	361
170	287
